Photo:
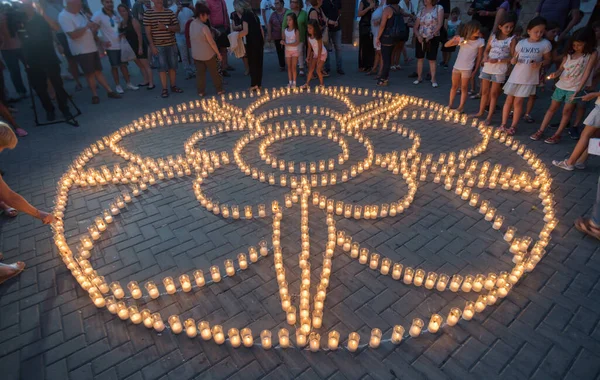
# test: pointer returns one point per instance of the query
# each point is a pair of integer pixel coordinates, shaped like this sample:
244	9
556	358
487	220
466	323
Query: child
574	72
551	33
452	26
530	55
592	128
496	57
317	54
291	43
468	60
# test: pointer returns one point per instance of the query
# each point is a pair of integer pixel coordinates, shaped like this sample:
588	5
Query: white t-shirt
467	54
529	52
70	22
183	16
266	5
499	49
376	16
572	75
110	31
314	43
290	38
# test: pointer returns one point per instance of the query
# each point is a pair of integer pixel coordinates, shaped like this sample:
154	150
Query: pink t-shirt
218	13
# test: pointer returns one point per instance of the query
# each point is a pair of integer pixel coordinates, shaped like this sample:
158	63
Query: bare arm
384	17
416	29
588	71
244	31
211	42
486	52
138	30
440	20
575	19
18	202
479	57
499	16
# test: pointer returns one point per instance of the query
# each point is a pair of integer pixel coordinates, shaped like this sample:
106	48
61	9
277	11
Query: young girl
574	72
317	54
496	57
468	60
530	55
452	26
291	43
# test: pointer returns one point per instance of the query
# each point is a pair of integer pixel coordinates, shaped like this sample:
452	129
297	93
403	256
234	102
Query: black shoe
226	74
413	75
67	115
230	68
341	72
382	82
50	116
574	133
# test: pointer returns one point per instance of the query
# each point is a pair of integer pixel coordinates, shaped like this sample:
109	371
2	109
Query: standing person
291	43
427	30
317	54
5	111
332	8
452	25
484	11
52	9
407	7
366	51
11	203
236	26
565	13
498	54
131	29
507	6
254	41
109	22
184	13
302	18
161	25
42	63
10	47
591	226
219	20
467	62
575	74
530	56
266	9
80	32
375	23
388	36
274	32
204	50
577	159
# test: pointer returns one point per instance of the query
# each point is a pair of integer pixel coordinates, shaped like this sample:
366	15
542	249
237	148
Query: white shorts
520	90
593	119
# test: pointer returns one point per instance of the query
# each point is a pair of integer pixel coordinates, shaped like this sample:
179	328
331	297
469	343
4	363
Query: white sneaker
132	87
434	84
580	165
417	81
119	89
563	165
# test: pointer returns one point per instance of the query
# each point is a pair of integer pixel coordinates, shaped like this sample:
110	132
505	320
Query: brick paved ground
546	328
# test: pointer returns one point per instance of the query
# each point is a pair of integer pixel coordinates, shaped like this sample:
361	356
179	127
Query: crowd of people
496	52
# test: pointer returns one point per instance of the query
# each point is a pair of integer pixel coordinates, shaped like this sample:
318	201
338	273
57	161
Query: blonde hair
242	6
8	139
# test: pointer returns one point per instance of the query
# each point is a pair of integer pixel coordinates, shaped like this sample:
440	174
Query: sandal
8	211
475	96
528	119
585	225
176	90
17	267
164	93
151	87
511	131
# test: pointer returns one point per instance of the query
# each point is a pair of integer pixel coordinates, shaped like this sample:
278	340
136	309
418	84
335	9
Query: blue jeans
167	58
335	41
596	208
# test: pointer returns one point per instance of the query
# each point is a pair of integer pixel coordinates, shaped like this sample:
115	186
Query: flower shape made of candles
458	172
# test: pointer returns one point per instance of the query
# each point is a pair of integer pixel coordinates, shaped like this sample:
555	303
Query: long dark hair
585	35
508	18
129	15
317	33
294	19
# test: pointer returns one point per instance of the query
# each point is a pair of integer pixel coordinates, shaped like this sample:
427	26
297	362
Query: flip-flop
19	266
583	225
10	212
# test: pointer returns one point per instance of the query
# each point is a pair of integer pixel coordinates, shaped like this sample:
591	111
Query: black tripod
72	121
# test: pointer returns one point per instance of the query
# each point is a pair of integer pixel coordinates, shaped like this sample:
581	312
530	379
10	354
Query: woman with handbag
255	41
366	51
131	30
219	20
204	50
430	20
391	17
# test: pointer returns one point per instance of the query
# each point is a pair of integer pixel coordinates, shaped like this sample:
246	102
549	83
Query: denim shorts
496	78
561	95
167	58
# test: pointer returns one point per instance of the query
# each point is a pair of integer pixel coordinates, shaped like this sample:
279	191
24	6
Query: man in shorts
80	33
108	21
161	26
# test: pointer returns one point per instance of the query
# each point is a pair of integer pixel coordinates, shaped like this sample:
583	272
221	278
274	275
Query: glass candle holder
478	282
117	290
218	334
490	281
229	268
147	318
453	316
397	334
284	338
157	322
169	285
215	273
291	315
242	261
430	281
135	315
442	282
175	324
408	275
363	256
97	298
419	277
134	289
375	339
386	264
199	278
190	328
205	331
416	327
481	303
234	337
397	271
333	340
263	249
314	341
434	323
510	233
374	261
353	341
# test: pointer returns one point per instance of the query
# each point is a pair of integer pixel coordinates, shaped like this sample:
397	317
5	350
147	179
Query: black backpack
398	31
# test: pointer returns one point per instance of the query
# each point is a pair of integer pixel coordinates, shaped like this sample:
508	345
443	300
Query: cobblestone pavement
547	327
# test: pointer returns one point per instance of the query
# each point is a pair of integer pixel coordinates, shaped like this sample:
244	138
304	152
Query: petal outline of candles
468	311
353	341
416	327
247	339
284	338
333	340
375	339
234	337
397	334
435	322
175	324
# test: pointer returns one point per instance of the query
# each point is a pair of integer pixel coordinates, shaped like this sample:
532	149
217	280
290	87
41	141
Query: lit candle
175	324
481	303
397	271
157	322
434	323
431	278
478	282
199	278
353	341
416	327
284	338
490	281
300	338
456	282
186	285
419	277
135	315
204	328
117	290
215	273
397	334
510	233
234	337
375	338
147	317
453	316
97	298
498	220
333	340
218	335
408	275
190	328
385	266
468	311
317	319
314	341
374	262
242	261
291	315
229	269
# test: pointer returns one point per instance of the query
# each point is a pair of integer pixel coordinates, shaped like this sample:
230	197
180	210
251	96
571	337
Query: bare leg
420	69
320	64
172	77
102	80
289	67
311	67
163	79
554	106
125	72
432	70
464	84
485	95
582	145
493	100
115	74
224	58
294	69
506	109
91	79
530	103
148	70
454	88
566	117
140	65
518	105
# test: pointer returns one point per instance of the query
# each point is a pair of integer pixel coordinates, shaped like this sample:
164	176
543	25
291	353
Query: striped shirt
161	37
